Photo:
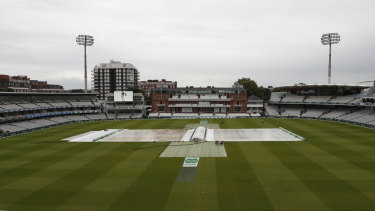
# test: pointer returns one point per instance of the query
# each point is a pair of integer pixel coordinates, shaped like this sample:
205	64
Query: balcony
198	106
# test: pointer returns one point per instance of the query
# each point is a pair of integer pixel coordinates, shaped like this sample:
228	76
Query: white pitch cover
123	96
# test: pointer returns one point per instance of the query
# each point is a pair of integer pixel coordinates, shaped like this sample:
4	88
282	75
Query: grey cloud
194	42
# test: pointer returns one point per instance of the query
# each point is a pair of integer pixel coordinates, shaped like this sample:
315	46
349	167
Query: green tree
252	88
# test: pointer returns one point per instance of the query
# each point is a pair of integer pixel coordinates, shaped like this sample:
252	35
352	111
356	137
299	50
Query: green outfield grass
333	170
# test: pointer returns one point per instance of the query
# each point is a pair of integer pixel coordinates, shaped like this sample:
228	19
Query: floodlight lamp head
330	38
87	40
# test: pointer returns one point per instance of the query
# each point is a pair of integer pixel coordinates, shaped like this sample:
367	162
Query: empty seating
10	128
165	115
81	103
317	99
43	122
206	115
313	113
77	118
235	115
26	124
137	116
342	99
353	115
334	114
220	115
185	115
43	105
276	96
96	116
60	119
10	107
29	105
123	116
291	98
367	118
291	112
153	115
272	110
60	104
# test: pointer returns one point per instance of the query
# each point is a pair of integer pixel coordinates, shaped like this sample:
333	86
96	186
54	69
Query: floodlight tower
330	39
85	40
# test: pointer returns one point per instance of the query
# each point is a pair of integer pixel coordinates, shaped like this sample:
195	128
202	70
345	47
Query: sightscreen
123	96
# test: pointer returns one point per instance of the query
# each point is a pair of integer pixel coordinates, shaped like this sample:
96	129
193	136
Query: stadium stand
272	110
314	112
353	115
124	116
342	99
185	115
340	103
154	115
43	122
137	116
208	115
165	115
334	114
220	115
368	118
318	99
28	111
96	116
276	96
291	98
77	118
7	128
60	119
237	115
291	112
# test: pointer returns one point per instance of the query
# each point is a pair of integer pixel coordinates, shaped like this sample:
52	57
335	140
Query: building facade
149	85
125	110
199	100
22	83
255	105
114	76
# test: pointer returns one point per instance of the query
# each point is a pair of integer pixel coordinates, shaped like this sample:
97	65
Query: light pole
330	39
85	40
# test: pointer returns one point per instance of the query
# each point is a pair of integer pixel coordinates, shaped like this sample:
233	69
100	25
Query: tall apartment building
149	85
114	76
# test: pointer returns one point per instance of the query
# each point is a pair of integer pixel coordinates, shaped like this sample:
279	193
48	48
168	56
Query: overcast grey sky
193	42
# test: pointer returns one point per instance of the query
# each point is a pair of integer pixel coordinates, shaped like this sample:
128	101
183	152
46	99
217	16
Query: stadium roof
321	86
45	93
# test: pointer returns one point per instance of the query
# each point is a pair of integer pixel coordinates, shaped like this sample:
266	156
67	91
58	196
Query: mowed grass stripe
255	123
171	124
359	179
32	166
142	124
334	192
280	184
27	150
27	185
347	139
238	186
356	158
150	191
346	132
107	188
66	187
231	123
198	195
